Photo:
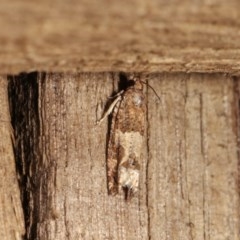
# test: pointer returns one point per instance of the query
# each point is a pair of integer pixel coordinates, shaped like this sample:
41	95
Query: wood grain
189	174
11	214
73	154
193	164
137	35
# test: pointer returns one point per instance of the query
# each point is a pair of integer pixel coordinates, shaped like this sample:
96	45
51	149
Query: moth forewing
125	141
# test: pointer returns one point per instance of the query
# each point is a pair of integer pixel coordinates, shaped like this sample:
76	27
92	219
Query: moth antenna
152	89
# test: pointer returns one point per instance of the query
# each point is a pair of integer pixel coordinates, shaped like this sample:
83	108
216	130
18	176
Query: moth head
138	84
135	80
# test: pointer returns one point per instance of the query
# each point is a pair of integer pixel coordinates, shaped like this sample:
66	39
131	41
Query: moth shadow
124	82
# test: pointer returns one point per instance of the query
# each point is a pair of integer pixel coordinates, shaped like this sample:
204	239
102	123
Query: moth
126	137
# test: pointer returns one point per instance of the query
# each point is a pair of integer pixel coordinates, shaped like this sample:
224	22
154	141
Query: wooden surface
137	35
192	169
189	174
189	186
11	214
77	161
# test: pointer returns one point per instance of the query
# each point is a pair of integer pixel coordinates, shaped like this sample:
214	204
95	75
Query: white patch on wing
128	178
131	142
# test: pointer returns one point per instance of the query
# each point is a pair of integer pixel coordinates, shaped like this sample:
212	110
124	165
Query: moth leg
110	109
118	94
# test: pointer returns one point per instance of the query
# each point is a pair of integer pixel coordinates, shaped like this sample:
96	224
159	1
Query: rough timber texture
193	164
74	152
69	197
23	96
189	176
11	215
136	35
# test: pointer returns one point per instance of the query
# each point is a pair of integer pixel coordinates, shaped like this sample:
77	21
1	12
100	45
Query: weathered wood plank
166	171
193	165
70	199
11	213
94	36
189	174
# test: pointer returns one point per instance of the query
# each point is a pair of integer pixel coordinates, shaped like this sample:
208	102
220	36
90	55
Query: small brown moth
126	139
